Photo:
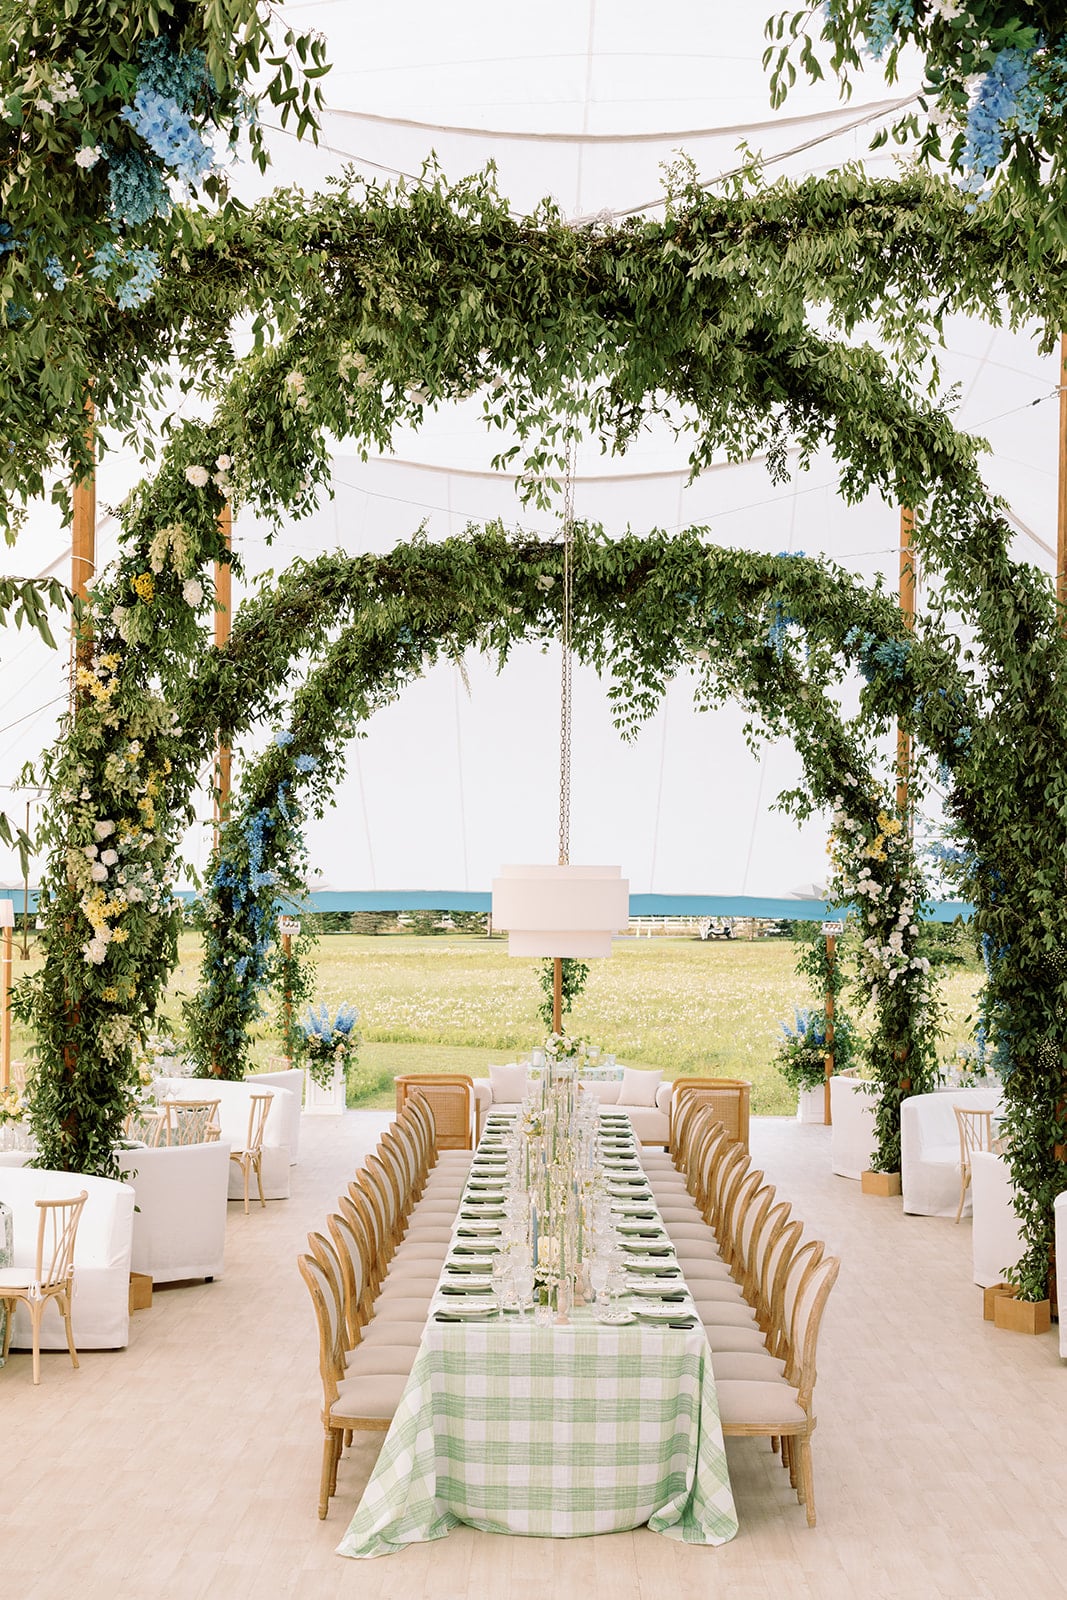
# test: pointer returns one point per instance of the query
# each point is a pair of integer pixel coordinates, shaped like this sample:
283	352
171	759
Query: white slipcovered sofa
235	1101
995	1242
930	1148
100	1305
852	1138
650	1119
179	1227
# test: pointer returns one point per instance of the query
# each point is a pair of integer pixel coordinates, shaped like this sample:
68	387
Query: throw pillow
509	1083
638	1087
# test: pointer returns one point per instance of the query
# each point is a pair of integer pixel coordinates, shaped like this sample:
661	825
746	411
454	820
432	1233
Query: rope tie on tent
565	684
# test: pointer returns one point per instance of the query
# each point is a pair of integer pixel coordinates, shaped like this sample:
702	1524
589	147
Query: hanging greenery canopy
732	317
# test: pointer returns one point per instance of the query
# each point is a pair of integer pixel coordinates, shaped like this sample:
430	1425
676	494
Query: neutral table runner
550	1431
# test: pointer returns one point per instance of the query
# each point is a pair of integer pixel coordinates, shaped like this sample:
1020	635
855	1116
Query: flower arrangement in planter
801	1055
329	1044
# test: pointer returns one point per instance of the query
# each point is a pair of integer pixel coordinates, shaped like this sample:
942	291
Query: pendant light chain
565	664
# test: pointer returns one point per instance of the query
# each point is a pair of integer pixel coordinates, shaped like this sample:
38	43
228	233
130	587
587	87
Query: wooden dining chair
450	1096
250	1159
782	1408
728	1098
976	1133
52	1276
353	1399
191	1121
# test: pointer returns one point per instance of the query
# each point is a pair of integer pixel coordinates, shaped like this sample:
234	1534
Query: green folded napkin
656	1271
487	1246
478	1314
637	1248
482	1287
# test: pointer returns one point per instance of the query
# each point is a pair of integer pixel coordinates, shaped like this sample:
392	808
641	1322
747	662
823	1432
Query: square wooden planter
1021	1316
140	1291
881	1183
990	1297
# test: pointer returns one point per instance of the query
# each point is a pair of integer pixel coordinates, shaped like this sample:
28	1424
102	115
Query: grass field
455	1004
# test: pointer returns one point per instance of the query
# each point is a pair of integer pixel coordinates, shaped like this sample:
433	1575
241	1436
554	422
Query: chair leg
336	1456
807	1478
247	1171
324	1477
259	1179
9	1307
64	1306
36	1307
965	1179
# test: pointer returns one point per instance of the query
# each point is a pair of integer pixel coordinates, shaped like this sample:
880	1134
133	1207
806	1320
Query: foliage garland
993	107
388	302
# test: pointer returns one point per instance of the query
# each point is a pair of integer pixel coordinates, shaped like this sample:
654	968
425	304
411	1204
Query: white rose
197	476
99	872
87	156
224	463
90	852
134	895
104	829
109	857
192	592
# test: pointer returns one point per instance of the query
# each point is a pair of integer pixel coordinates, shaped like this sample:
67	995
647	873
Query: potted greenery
328	1046
801	1056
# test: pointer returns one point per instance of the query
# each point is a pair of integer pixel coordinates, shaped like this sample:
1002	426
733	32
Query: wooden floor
187	1465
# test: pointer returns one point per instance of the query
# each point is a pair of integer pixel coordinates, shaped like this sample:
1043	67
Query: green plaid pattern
557	1432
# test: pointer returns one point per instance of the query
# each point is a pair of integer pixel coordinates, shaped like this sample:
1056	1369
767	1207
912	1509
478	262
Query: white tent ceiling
583	103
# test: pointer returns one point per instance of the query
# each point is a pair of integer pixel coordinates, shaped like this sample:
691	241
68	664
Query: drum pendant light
562	910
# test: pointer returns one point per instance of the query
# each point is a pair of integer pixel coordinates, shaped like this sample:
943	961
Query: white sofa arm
663	1096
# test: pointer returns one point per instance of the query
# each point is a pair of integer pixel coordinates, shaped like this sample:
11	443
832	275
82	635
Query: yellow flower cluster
144	586
89	681
110	994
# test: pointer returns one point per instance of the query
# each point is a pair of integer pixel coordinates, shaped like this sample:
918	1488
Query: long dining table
558	1431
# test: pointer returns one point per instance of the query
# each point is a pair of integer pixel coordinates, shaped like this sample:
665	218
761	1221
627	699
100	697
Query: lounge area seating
179	1227
852	1139
643	1095
100	1313
995	1241
235	1101
930	1149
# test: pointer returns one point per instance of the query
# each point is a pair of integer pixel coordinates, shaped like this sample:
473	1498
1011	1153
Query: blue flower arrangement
329	1043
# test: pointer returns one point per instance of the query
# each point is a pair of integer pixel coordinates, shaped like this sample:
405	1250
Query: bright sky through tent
448	784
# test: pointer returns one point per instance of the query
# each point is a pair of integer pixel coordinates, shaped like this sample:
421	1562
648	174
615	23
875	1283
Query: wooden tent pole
828	1007
223	613
907	610
83	548
1061	502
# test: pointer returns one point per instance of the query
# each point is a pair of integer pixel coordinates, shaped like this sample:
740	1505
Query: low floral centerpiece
329	1045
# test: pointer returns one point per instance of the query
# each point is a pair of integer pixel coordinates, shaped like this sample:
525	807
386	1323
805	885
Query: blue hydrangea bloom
306	764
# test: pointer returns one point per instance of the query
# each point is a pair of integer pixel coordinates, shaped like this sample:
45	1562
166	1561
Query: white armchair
179	1227
995	1241
930	1148
852	1138
234	1106
100	1305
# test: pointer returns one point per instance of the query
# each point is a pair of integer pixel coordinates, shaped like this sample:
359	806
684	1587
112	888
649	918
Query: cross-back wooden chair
250	1159
975	1126
191	1121
51	1277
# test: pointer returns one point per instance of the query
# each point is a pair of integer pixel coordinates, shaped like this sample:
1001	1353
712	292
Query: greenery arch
380	303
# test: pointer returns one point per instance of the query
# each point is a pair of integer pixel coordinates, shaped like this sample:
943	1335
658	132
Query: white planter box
811	1105
329	1102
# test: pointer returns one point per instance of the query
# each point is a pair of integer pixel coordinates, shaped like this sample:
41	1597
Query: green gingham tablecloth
5	1261
556	1432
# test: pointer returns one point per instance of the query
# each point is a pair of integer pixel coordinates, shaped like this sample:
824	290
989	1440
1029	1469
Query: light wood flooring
187	1466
